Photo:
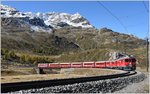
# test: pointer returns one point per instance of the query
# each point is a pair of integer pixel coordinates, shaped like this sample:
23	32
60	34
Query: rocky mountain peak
51	19
7	8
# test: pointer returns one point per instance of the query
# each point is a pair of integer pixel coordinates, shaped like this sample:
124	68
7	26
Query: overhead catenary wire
113	16
146	8
125	49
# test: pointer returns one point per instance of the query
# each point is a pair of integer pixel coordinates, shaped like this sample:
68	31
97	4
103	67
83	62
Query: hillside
74	44
60	37
39	43
97	39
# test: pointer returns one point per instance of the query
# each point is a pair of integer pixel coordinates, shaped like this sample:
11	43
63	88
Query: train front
125	62
130	63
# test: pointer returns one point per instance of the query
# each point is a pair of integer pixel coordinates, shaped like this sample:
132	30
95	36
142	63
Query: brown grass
65	73
146	88
13	72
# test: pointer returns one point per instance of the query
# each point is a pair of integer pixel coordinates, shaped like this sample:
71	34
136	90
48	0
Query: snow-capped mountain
46	21
57	19
7	11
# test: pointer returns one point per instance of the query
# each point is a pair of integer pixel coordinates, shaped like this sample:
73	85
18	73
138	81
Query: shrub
8	55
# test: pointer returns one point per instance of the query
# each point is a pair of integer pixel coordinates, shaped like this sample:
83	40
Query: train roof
121	58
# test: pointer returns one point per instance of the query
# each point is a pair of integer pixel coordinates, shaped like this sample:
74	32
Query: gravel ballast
101	86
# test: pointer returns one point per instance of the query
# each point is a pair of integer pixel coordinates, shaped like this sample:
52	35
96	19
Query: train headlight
130	64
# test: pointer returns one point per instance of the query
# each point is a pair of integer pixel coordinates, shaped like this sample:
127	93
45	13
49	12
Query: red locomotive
122	62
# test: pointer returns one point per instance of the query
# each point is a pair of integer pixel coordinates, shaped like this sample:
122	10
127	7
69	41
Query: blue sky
132	14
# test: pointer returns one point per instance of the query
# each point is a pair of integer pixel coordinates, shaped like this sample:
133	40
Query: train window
133	60
129	60
126	60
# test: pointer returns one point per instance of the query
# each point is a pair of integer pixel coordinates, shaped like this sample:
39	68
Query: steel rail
11	87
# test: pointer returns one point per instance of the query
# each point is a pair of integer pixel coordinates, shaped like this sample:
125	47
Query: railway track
11	87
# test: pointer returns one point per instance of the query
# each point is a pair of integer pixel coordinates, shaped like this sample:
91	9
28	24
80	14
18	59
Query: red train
124	63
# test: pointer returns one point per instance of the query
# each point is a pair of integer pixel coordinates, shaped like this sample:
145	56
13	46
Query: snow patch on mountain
7	8
40	29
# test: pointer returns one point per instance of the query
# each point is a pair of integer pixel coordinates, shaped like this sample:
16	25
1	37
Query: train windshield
130	60
126	60
133	60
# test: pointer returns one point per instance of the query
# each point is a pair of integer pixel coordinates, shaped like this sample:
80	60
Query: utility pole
147	42
147	54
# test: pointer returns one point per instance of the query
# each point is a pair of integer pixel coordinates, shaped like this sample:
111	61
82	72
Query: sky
132	14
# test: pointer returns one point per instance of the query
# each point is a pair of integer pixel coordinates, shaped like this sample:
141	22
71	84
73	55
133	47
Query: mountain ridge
53	20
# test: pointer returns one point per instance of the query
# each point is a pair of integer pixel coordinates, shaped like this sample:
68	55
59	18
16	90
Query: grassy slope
43	43
97	45
94	44
90	55
103	38
102	54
